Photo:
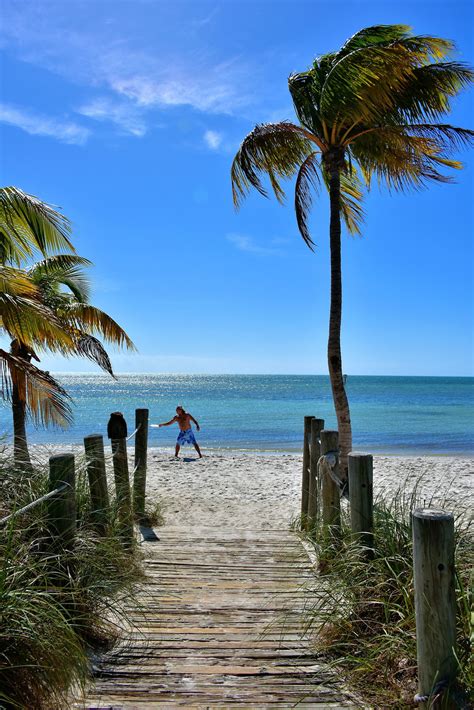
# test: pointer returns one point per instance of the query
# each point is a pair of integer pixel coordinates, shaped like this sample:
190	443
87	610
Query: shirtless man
186	435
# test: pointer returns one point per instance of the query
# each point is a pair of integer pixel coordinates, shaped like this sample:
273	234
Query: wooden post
330	500
117	433
95	462
435	602
317	425
62	507
305	477
141	446
361	498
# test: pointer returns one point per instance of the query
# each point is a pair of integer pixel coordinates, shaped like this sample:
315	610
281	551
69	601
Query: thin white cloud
242	242
123	115
40	125
210	89
150	78
213	139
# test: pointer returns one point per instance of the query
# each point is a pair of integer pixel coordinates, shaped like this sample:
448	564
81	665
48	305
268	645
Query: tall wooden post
305	476
361	498
435	602
317	425
117	433
141	446
62	507
95	462
330	499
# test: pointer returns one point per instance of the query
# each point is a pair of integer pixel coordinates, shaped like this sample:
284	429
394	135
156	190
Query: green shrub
365	615
55	607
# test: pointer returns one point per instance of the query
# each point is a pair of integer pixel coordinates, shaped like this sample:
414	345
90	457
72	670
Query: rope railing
133	433
34	503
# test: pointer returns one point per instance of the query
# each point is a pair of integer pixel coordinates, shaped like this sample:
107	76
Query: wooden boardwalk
221	625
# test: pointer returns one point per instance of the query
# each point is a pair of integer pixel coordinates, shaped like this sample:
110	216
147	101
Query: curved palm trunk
21	454
334	341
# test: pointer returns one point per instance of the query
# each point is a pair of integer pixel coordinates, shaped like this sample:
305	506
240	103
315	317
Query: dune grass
55	606
365	613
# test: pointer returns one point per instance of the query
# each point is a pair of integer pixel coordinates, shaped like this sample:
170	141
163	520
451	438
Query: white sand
246	490
258	490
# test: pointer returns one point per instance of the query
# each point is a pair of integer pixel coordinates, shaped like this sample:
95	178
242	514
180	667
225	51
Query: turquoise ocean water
394	415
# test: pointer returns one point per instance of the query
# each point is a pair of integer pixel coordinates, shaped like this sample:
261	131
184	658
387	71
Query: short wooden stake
95	462
435	602
330	499
141	446
361	499
317	425
305	476
62	507
122	489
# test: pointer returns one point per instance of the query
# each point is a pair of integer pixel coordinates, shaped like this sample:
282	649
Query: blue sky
127	115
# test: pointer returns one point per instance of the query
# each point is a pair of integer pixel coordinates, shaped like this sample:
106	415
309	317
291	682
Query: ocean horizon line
131	373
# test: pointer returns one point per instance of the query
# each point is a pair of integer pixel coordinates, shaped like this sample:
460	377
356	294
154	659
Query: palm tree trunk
341	404
21	454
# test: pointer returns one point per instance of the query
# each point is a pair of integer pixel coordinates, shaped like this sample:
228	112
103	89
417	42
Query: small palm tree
369	109
79	320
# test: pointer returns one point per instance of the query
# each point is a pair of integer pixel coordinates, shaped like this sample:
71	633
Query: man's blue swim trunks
186	437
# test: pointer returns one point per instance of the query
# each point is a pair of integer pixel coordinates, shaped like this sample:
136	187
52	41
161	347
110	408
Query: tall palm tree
29	227
79	320
26	318
369	109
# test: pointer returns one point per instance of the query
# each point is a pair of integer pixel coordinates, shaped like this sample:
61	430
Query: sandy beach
249	490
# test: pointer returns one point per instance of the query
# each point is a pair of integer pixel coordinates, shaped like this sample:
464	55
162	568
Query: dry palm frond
46	401
90	319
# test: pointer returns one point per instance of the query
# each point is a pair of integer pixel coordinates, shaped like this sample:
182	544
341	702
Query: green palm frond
427	96
425	47
401	161
351	201
274	149
62	270
372	106
33	323
307	182
46	401
15	282
28	225
89	319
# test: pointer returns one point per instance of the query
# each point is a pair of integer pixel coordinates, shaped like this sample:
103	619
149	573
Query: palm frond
90	347
402	161
357	86
274	149
90	320
427	95
33	323
15	282
62	269
28	225
46	401
307	182
425	46
351	201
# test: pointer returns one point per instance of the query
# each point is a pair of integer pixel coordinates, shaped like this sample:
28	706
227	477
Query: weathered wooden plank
220	623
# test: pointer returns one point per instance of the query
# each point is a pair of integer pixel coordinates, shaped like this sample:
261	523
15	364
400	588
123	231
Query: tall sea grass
55	606
365	614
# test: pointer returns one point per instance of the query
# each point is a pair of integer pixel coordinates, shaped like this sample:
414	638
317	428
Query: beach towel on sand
186	437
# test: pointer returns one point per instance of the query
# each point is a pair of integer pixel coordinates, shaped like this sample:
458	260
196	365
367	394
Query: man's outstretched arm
194	420
171	421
